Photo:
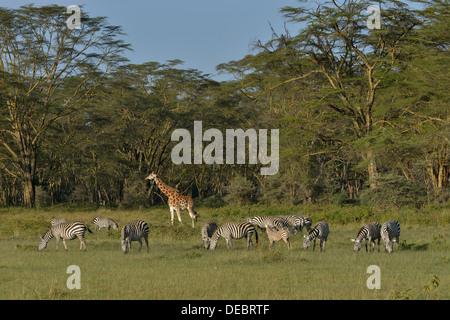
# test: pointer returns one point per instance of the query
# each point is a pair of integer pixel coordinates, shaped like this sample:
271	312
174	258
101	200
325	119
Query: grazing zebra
102	222
134	231
56	221
390	233
321	231
65	231
369	232
275	235
207	232
296	221
233	230
271	221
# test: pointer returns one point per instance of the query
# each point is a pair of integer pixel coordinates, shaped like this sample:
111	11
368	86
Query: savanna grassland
177	267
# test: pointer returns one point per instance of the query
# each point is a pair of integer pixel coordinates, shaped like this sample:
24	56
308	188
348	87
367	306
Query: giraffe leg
178	214
171	214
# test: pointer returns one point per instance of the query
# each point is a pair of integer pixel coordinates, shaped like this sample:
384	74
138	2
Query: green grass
177	268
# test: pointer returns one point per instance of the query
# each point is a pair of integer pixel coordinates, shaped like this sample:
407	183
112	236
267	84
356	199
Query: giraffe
176	200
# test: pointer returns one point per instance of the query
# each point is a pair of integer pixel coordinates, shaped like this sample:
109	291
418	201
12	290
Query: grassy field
176	267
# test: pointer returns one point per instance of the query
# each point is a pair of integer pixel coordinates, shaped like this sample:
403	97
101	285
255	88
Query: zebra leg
314	244
229	243
288	243
64	243
57	243
146	241
140	244
324	243
82	243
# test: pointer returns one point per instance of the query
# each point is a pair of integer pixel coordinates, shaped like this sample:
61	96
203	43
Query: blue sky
202	33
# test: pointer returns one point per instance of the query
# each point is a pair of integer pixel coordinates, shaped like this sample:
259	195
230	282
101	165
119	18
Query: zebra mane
312	234
48	235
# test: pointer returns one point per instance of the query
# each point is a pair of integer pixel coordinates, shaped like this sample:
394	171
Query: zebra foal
369	232
134	231
102	222
234	230
277	235
390	233
65	231
207	232
320	231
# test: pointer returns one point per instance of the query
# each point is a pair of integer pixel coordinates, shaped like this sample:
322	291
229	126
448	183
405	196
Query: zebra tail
256	236
88	229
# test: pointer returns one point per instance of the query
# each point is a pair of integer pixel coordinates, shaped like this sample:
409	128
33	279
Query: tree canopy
363	113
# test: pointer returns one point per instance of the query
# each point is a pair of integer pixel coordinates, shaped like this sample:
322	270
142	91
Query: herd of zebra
277	228
280	228
61	229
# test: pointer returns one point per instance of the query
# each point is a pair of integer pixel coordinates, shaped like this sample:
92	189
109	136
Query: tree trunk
372	169
29	174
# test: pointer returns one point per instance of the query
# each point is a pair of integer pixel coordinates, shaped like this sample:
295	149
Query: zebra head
125	246
389	245
213	244
115	226
306	242
357	246
42	245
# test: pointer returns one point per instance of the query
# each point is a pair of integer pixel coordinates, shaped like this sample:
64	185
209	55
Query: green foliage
240	191
395	191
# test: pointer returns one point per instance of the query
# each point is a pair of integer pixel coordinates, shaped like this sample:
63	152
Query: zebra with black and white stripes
134	231
234	230
296	221
207	231
271	221
103	222
390	233
370	232
320	231
65	231
56	221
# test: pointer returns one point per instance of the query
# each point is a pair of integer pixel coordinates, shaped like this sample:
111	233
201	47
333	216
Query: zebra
234	230
134	231
102	222
56	221
275	235
390	233
321	231
369	232
296	221
207	232
66	231
271	221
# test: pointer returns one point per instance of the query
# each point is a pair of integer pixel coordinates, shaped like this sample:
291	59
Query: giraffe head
151	176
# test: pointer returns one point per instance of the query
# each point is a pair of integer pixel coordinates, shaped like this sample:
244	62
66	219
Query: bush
393	190
241	191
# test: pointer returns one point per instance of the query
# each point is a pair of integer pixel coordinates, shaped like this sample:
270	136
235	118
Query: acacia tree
47	72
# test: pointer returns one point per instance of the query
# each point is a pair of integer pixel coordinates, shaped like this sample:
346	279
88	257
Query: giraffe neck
163	187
